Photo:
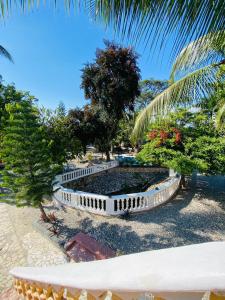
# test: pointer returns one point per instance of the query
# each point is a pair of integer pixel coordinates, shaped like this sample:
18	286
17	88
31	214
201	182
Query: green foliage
211	150
150	20
5	53
63	144
111	83
29	169
185	141
149	88
193	77
125	128
90	126
112	80
9	94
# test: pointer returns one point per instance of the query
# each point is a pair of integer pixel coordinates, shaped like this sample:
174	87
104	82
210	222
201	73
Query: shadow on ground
196	215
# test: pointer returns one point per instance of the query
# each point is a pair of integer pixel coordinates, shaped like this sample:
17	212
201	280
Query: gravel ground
120	182
196	215
21	245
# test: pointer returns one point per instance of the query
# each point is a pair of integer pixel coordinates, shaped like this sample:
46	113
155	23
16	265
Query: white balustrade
79	173
182	273
114	205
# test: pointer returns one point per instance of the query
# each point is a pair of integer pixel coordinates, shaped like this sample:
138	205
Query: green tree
63	144
193	76
124	132
82	125
111	83
9	94
149	89
29	170
185	141
90	125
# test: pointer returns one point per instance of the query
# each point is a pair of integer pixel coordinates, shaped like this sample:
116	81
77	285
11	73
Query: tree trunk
182	182
43	213
107	155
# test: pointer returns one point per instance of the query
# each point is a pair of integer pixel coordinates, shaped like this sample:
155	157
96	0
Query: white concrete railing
79	173
182	273
114	205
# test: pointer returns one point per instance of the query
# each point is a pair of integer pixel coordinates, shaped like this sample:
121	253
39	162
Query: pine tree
29	171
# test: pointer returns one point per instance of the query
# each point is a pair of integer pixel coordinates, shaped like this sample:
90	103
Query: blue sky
50	47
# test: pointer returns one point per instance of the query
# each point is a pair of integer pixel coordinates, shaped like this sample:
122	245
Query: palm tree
192	78
147	19
5	53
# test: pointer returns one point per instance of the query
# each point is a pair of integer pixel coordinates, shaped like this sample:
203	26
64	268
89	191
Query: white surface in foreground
194	268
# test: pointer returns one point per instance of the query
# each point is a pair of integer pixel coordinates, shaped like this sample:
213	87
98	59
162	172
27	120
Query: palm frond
220	117
149	20
207	49
5	53
188	90
155	20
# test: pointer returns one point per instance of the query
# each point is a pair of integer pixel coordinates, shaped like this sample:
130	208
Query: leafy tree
185	141
63	144
90	126
149	88
124	132
29	169
193	76
82	124
9	94
111	83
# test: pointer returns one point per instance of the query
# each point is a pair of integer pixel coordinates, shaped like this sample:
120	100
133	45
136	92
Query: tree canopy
111	84
193	76
29	169
63	144
185	141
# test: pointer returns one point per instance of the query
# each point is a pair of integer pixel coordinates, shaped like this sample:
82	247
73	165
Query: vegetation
29	169
196	68
5	53
9	94
185	141
151	20
111	83
149	88
87	124
63	144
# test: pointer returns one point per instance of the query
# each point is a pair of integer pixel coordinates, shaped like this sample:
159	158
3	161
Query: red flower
152	134
163	135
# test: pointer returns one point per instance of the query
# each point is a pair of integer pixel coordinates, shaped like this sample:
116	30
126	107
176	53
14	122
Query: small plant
44	218
54	229
120	252
126	214
90	156
52	217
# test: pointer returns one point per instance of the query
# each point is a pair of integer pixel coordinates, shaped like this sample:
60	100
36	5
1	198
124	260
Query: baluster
96	204
100	204
129	203
134	203
120	204
138	202
115	205
104	205
124	203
